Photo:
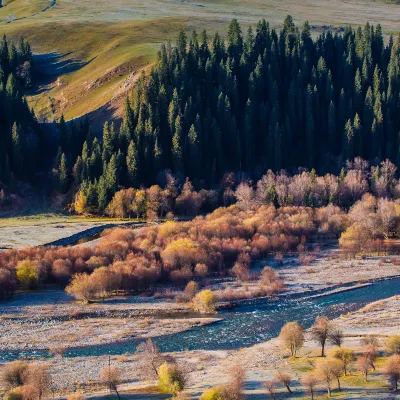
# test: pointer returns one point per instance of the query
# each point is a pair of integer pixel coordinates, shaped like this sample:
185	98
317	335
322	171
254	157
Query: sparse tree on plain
271	388
336	337
171	378
364	366
325	374
284	379
393	344
12	374
392	370
110	377
337	369
310	381
234	389
149	359
346	356
320	332
292	335
38	377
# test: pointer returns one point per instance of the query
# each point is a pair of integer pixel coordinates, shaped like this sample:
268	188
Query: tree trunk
116	391
323	349
338	384
312	394
288	388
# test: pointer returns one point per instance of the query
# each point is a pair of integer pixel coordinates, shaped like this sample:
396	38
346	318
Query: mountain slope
102	44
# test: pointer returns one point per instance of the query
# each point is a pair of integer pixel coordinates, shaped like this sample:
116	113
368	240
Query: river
247	325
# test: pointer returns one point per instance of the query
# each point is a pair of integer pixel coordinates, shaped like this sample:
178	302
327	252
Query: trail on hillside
51	5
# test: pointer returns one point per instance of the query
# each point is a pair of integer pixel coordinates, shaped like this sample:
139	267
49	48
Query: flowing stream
246	325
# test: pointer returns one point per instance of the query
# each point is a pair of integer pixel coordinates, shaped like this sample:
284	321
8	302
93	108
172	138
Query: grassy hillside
97	46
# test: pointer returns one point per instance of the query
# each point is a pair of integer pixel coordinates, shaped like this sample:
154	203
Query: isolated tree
234	388
364	365
325	374
271	388
110	377
336	368
370	349
204	302
149	359
392	370
346	356
292	335
171	378
38	378
336	337
393	344
320	332
310	381
12	374
284	379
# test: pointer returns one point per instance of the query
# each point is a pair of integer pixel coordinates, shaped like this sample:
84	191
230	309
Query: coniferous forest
19	132
252	101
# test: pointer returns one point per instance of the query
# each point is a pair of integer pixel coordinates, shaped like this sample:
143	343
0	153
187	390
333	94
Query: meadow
100	46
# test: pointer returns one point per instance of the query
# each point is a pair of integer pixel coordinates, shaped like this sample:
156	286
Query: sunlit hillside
97	47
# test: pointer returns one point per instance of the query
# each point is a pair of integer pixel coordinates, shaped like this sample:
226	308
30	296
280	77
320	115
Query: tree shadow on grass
49	66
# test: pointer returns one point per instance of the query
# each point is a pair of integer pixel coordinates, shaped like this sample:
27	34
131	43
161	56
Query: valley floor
51	320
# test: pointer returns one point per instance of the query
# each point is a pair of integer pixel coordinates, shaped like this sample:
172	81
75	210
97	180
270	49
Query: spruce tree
132	165
63	174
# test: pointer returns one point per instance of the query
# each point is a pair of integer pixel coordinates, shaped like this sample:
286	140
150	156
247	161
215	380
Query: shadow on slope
49	66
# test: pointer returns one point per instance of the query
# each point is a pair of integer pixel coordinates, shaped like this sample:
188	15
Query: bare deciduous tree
234	389
336	337
346	356
38	377
364	366
336	367
12	374
325	374
245	195
271	388
149	359
284	379
310	381
110	376
392	370
292	335
320	332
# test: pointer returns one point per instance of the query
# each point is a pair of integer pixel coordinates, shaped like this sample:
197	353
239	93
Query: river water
244	326
251	324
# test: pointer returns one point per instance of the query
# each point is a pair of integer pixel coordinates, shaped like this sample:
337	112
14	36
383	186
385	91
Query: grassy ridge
120	37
